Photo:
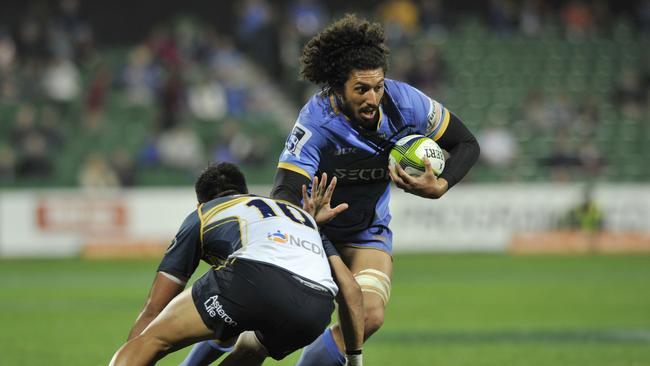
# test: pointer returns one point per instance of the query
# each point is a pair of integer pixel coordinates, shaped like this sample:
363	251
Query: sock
204	353
322	352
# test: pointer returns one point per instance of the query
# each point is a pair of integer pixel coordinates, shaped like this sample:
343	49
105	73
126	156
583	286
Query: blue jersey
324	140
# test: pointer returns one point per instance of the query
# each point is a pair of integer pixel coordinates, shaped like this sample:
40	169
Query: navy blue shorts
246	295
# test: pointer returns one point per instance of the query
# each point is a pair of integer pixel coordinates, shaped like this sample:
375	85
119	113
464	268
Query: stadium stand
557	100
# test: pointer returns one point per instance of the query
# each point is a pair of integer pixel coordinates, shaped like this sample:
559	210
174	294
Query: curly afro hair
347	44
219	180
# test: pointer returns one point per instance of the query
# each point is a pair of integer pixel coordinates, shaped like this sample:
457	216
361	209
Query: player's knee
375	286
374	319
249	347
154	342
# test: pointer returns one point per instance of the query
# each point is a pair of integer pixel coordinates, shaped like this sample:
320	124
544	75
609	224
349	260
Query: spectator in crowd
170	99
180	148
95	98
207	99
562	160
257	33
587	216
62	83
433	16
52	129
532	17
499	147
400	19
97	173
578	19
7	163
502	15
592	161
35	160
7	66
429	70
643	15
588	117
124	166
140	77
630	94
24	125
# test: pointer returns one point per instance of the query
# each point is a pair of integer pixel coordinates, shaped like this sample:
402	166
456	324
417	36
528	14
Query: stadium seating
490	77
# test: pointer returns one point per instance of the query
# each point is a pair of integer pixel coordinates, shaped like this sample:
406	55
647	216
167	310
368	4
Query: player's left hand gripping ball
426	185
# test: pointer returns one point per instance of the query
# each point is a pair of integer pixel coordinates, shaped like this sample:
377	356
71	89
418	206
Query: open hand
318	203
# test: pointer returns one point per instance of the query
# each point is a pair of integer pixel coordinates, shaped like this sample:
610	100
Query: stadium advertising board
470	218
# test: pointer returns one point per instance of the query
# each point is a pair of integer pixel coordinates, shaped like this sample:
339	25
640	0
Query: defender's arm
350	300
176	267
164	288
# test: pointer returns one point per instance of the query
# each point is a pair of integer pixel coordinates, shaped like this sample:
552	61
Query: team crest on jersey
434	116
297	139
278	237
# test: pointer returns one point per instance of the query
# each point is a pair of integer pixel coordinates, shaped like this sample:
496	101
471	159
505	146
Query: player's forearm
463	151
352	321
350	300
461	160
145	317
164	288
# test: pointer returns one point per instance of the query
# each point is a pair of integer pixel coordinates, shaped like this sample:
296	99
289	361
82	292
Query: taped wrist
354	359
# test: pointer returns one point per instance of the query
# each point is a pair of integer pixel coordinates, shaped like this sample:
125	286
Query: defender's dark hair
219	180
347	44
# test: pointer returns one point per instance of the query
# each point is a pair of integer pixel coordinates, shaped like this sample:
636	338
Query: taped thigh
374	281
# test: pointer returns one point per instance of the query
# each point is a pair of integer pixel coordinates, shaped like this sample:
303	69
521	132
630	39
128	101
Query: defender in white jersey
279	284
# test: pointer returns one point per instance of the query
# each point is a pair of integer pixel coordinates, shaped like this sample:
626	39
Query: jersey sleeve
184	253
328	247
430	116
302	150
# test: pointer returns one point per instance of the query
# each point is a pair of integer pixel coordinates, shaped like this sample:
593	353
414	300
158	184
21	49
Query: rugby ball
410	151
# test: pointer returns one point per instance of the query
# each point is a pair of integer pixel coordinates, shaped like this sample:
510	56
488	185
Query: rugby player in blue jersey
347	131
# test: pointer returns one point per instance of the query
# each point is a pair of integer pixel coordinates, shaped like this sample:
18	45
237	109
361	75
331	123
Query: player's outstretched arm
163	290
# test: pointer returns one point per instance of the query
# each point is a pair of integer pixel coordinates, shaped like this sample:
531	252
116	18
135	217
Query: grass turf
450	310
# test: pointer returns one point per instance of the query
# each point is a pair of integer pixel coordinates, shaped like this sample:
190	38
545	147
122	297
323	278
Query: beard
355	114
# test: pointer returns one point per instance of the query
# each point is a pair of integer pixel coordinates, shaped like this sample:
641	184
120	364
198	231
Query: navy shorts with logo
286	311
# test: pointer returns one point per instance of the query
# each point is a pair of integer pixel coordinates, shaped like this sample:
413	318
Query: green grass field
449	310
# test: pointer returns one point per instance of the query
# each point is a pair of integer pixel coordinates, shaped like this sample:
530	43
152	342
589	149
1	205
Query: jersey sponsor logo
214	308
434	116
341	150
297	139
369	174
283	238
278	237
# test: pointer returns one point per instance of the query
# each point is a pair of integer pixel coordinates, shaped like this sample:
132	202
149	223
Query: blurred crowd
197	94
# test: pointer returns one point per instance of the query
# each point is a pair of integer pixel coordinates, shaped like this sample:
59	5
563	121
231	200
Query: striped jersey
254	228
